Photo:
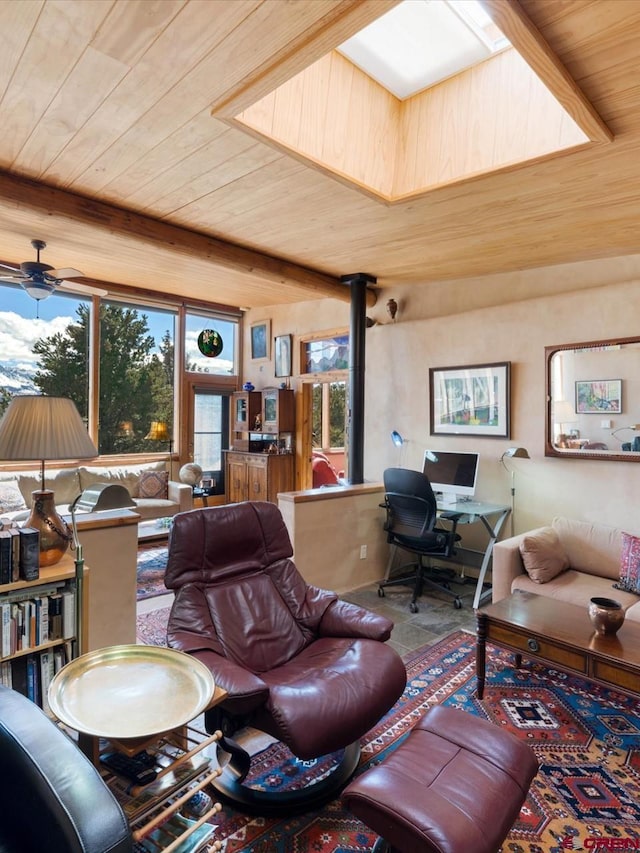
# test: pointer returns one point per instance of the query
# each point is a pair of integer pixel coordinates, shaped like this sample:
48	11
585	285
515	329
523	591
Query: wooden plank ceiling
109	151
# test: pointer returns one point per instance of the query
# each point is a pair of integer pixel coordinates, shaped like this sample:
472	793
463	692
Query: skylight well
430	94
421	42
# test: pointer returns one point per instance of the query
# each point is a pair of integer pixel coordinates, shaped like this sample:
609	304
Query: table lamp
159	431
37	427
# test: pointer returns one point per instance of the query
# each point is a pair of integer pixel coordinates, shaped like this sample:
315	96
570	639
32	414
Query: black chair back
410	500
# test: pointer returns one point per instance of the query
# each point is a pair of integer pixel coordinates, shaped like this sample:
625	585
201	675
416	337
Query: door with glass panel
209	435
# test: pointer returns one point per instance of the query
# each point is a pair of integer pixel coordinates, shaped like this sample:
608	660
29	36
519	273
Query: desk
470	512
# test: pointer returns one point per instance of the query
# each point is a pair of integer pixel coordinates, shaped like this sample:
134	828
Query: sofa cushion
63	482
575	588
154	484
543	555
126	475
11	498
629	564
591	548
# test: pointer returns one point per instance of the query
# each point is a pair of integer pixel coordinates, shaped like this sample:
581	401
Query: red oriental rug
587	738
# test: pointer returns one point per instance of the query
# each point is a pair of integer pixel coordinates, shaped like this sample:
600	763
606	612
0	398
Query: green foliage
136	385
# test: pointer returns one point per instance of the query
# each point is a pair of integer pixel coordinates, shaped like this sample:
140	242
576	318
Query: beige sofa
592	555
67	483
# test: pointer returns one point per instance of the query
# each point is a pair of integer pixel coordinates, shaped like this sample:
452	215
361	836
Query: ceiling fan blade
76	287
67	272
19	277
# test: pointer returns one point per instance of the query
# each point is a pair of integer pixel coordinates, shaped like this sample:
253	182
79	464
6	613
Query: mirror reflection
593	400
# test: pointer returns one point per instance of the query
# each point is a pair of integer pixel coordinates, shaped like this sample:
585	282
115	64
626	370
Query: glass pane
316	417
327	354
337	404
202	350
136	379
210	433
46	354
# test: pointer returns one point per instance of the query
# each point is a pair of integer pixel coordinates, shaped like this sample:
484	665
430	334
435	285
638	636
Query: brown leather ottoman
455	785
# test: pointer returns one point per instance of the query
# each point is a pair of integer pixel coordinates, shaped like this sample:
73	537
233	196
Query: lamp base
55	534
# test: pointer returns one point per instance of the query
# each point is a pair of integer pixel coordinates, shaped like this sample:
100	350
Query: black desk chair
411	525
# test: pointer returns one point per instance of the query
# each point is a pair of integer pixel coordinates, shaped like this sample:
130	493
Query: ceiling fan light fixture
38	290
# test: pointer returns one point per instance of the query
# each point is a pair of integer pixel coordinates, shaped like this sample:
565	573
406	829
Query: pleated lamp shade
39	427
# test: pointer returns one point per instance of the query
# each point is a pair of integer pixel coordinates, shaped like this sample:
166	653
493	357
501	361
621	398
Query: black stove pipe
355	440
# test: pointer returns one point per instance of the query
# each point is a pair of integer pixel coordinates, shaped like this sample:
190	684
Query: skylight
421	42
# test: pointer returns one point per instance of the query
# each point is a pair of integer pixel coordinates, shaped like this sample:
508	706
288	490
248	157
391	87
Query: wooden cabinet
258	476
246	406
278	411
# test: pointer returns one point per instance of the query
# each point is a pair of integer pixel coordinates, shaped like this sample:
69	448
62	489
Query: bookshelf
28	662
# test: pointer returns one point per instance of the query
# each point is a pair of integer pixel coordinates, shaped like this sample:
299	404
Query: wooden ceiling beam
526	38
27	195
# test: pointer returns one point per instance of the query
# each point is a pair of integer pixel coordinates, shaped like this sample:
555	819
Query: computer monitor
454	474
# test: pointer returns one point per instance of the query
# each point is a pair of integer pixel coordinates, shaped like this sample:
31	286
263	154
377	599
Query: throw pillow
154	484
543	556
11	498
629	565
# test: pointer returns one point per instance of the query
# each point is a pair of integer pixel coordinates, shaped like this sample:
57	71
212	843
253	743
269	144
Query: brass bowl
606	615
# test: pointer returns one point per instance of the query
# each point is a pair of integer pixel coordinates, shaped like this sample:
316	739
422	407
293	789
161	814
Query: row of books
31	674
28	621
19	554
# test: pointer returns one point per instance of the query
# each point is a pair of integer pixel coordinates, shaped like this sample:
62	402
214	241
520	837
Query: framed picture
471	400
260	339
594	396
283	355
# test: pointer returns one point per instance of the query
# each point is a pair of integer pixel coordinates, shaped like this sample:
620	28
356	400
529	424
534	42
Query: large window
210	344
136	378
45	354
132	375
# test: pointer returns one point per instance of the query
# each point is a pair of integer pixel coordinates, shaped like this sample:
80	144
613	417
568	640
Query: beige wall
476	321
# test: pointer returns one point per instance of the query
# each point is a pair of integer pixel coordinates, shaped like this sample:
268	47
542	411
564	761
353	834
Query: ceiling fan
40	280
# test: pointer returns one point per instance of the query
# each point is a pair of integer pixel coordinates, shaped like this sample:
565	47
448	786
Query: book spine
33	678
5	637
29	553
15	554
68	614
6	550
46	674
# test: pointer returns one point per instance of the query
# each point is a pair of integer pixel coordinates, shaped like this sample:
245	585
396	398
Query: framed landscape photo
260	339
594	396
283	355
470	400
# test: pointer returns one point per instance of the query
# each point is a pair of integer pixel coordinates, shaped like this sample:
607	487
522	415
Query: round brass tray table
130	692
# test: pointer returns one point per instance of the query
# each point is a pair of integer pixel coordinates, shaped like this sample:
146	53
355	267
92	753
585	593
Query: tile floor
435	619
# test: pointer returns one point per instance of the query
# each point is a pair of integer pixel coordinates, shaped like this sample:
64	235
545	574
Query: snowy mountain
16	380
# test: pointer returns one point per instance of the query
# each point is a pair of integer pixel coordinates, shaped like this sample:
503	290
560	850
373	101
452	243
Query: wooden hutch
261	461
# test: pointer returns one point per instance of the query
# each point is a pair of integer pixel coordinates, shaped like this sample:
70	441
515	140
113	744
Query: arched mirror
593	400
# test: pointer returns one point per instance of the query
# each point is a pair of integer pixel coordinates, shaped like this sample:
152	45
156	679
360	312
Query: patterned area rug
152	562
151	628
587	739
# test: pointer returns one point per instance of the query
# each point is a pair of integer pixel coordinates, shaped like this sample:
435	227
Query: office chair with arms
411	525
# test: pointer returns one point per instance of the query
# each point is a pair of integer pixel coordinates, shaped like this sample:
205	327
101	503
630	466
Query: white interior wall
433	329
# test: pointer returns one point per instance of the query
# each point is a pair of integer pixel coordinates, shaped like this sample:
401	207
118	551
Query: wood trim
342	20
533	47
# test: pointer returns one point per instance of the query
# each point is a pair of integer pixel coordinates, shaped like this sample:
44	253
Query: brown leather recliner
298	663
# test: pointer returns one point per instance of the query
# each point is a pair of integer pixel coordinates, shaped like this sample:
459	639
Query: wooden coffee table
560	634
